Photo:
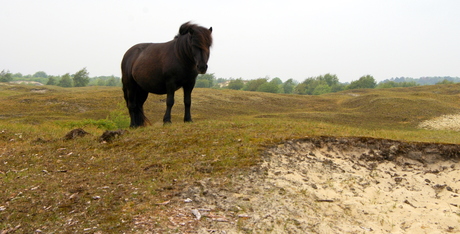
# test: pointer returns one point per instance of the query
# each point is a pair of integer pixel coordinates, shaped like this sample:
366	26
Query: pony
163	68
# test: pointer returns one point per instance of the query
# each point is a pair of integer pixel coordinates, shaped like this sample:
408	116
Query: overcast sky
252	39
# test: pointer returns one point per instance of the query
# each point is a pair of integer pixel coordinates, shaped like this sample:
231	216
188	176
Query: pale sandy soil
445	122
328	185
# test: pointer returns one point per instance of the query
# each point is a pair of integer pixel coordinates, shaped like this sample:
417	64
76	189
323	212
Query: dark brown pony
163	68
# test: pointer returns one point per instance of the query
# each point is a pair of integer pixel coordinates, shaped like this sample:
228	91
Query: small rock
398	179
367	229
188	200
220	219
439	187
196	213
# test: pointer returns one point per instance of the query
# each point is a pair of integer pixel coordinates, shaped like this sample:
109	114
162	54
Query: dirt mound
109	136
75	133
330	185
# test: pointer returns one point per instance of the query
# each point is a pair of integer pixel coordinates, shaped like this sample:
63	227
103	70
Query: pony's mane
201	36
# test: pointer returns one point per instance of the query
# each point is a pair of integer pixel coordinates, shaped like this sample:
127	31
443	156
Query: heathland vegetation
51	183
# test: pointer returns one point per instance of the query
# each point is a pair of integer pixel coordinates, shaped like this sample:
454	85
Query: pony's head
200	40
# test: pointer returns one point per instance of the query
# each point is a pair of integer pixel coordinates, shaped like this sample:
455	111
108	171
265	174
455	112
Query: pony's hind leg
135	98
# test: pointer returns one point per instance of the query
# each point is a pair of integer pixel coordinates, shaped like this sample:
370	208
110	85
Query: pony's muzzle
202	68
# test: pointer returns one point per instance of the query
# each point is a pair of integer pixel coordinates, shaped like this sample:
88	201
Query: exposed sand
445	122
330	185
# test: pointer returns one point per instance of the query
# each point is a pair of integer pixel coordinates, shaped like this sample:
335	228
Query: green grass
58	185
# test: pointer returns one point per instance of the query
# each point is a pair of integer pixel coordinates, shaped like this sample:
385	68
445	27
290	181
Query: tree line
426	80
322	84
317	85
79	79
327	83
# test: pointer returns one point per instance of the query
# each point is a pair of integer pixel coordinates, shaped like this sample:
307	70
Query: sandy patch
375	185
328	185
445	122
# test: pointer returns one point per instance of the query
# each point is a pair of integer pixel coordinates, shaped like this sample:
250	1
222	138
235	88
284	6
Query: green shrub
115	120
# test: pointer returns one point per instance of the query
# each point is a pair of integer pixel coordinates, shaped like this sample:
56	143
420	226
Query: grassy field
82	185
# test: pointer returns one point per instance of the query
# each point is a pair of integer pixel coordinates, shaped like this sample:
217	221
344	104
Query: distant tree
277	81
301	88
65	81
408	84
270	87
321	89
112	81
338	87
311	84
236	84
221	80
393	84
445	81
365	82
253	85
41	74
5	76
51	81
104	81
330	79
205	81
386	85
202	83
319	85
17	75
288	86
81	78
100	82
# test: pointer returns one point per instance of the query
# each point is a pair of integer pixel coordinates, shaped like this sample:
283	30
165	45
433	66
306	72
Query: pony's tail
146	120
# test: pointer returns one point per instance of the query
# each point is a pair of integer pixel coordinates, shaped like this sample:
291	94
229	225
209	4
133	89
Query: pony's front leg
187	103
169	105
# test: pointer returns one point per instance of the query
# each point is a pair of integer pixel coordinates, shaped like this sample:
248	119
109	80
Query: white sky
252	39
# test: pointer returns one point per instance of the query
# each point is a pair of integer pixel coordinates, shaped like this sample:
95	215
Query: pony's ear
183	29
210	29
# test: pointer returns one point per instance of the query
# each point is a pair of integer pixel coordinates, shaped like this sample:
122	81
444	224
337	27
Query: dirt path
331	185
